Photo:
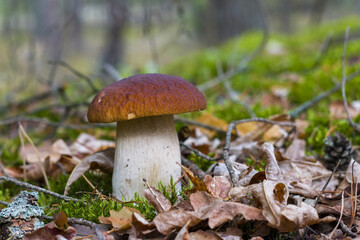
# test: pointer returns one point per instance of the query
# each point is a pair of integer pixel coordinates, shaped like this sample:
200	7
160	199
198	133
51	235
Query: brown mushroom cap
145	95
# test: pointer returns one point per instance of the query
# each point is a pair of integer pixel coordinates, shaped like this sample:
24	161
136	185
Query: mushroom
147	146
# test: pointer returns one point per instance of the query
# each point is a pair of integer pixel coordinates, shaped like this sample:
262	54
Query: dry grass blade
22	134
354	179
341	214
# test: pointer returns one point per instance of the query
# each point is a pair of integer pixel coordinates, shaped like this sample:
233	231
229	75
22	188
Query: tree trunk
223	19
113	49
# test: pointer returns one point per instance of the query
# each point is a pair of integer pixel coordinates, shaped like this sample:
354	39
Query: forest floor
275	155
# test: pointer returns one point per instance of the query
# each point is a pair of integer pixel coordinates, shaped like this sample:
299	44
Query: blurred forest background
65	51
116	38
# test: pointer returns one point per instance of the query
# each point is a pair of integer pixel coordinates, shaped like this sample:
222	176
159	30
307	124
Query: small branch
4	203
341	214
152	192
76	73
2	166
53	124
36	188
228	139
324	49
79	221
345	229
305	106
351	122
31	100
327	182
194	123
200	154
231	92
111	71
193	167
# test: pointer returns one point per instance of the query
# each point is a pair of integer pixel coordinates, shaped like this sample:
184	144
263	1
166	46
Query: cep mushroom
147	145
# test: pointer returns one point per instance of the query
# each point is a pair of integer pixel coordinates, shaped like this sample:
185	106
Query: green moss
203	164
169	191
319	128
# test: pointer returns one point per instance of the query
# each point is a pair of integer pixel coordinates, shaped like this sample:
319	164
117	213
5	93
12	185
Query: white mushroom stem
146	148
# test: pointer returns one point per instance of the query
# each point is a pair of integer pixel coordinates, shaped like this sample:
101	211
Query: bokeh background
70	49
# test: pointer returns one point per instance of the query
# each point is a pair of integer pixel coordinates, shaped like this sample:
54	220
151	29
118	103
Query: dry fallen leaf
120	219
86	144
353	172
337	110
50	232
157	199
166	222
198	184
60	219
211	120
272	170
200	234
286	217
218	212
218	186
103	160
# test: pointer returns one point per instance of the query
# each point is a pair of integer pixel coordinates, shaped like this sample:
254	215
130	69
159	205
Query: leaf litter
280	195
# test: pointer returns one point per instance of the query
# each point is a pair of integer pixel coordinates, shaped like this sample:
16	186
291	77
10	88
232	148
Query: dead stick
200	154
305	106
50	123
226	149
36	188
193	167
351	122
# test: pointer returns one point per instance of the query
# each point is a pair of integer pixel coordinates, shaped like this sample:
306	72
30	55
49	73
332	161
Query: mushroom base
146	148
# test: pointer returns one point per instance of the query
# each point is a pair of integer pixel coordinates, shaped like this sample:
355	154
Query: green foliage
143	206
169	191
89	208
10	152
203	164
320	126
260	166
230	111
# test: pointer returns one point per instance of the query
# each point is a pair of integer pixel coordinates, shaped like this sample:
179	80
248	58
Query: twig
231	92
3	169
4	203
152	192
76	73
228	139
305	106
52	106
191	122
36	188
31	100
111	71
347	230
341	214
74	221
354	180
193	167
53	124
323	51
91	185
2	166
327	182
351	122
200	154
